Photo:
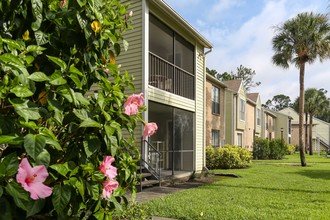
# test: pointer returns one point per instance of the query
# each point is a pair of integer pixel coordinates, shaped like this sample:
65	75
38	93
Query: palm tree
298	41
315	103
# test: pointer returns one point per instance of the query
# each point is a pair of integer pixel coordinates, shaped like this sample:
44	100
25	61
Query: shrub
290	149
63	154
264	149
261	149
210	160
227	157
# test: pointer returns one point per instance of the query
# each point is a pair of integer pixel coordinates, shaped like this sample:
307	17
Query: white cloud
241	33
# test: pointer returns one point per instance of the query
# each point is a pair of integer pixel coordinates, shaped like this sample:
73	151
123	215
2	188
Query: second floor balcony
169	77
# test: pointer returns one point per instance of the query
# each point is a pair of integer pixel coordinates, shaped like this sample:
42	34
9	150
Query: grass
266	190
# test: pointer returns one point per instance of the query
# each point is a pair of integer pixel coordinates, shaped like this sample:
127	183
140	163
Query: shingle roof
234	85
253	96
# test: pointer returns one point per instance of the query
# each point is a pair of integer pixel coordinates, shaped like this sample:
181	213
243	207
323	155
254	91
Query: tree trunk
306	132
301	113
310	134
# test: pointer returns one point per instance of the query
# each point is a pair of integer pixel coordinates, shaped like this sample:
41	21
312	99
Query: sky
241	33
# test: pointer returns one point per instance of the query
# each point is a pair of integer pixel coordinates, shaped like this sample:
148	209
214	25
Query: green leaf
81	2
32	48
93	190
81	113
38	77
29	59
90	123
19	68
99	215
28	124
58	61
13	44
1	191
57	79
8	139
34	144
91	144
82	100
79	185
9	165
22	108
82	22
43	158
5	209
41	37
20	196
73	69
113	145
74	77
62	169
61	197
34	207
21	91
50	138
8	57
117	48
37	14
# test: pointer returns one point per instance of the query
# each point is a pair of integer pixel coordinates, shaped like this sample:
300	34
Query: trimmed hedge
227	157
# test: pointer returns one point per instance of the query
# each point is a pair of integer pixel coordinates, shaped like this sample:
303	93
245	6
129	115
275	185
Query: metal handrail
155	171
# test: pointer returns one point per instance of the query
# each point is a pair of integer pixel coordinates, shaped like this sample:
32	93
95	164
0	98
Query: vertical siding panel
131	60
200	107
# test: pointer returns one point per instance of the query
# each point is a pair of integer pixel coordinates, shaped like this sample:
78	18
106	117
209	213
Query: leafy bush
210	160
290	149
63	153
264	149
227	157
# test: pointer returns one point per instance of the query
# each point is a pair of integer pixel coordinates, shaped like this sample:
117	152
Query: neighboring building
235	113
321	130
283	127
268	124
253	119
215	111
166	56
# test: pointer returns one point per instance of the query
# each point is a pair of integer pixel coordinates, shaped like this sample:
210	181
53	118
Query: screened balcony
166	76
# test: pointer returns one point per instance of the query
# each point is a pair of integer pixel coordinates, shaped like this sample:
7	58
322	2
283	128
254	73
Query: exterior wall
250	126
230	118
282	126
258	127
240	123
214	121
197	106
200	116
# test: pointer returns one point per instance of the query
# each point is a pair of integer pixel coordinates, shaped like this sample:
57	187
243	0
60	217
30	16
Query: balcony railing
166	76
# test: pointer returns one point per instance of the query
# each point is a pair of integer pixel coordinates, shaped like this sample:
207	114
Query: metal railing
169	77
152	160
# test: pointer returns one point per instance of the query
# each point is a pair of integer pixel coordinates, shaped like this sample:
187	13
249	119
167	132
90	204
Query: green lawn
267	190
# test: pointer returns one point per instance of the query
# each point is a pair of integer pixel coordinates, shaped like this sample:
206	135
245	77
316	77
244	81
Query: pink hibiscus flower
32	178
133	103
106	167
108	187
149	129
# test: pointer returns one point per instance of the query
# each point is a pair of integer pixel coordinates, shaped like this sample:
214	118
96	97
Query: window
215	138
215	100
239	139
258	117
242	110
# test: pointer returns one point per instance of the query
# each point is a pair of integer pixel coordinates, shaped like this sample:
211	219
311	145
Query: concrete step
149	182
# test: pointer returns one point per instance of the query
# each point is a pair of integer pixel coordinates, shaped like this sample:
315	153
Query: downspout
204	109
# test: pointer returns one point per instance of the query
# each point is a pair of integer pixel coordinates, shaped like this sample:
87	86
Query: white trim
145	54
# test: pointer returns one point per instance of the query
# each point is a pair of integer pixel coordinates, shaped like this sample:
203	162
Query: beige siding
200	120
250	122
167	98
131	60
230	117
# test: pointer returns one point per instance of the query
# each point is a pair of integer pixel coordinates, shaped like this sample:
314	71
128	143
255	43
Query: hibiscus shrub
63	153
